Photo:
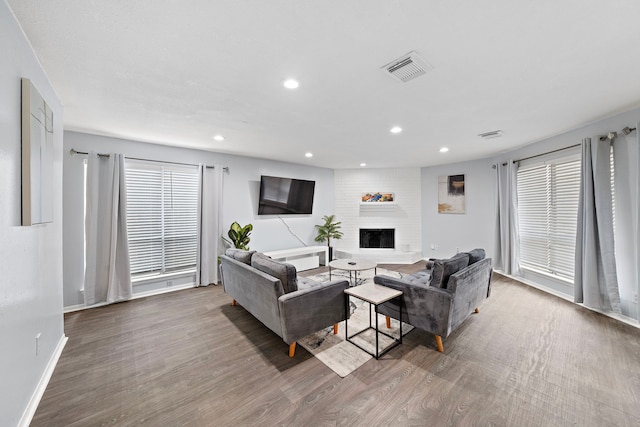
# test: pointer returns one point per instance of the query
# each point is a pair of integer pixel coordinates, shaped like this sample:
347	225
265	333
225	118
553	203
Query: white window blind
548	195
162	207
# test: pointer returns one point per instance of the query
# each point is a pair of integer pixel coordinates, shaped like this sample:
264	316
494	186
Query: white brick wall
405	216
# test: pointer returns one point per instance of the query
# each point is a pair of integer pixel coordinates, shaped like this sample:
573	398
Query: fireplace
377	238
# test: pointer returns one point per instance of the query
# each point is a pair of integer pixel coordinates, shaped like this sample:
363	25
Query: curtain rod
74	151
611	135
548	152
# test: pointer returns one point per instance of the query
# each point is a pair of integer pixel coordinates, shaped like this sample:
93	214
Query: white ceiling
178	72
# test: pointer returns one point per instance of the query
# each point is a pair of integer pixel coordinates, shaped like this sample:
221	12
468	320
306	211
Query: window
162	208
548	196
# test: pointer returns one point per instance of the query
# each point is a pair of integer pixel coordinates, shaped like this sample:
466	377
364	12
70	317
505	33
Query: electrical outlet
635	298
38	343
169	283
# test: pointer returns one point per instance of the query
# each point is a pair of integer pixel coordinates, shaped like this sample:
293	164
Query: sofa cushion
476	255
443	268
422	277
285	272
240	255
306	283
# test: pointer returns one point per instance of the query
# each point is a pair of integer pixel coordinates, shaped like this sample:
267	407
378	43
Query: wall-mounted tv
285	196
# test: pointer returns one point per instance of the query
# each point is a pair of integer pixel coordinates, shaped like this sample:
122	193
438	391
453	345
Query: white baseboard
30	410
78	307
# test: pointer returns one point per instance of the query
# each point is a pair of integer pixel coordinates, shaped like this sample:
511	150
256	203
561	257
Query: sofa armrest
309	310
423	306
471	287
408	286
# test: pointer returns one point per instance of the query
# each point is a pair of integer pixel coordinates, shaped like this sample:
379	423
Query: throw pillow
443	268
285	272
476	255
240	255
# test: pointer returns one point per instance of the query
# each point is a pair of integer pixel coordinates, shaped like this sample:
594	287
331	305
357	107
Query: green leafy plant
239	235
329	230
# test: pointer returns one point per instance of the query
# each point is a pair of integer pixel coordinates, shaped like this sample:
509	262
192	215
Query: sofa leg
477	311
388	322
234	303
292	349
439	344
335	329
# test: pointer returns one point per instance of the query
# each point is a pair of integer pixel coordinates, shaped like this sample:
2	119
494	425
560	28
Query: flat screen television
285	196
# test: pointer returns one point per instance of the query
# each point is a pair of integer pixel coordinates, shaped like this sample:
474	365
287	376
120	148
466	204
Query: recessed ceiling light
291	84
363	164
444	149
396	129
219	138
308	154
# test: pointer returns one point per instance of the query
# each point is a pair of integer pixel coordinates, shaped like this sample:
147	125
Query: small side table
374	295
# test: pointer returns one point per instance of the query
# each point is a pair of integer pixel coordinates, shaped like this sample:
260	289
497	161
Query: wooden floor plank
189	358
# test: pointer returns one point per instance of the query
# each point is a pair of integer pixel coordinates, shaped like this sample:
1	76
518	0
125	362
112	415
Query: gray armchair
438	301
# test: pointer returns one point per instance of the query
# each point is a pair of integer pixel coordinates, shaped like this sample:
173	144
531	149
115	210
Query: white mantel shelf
378	204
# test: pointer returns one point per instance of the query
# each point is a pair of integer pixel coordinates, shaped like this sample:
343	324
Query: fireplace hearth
377	238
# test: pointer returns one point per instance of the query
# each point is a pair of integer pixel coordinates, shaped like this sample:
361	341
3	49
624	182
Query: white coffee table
374	295
352	266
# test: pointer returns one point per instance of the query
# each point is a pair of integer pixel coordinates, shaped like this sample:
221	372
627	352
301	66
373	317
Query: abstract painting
451	198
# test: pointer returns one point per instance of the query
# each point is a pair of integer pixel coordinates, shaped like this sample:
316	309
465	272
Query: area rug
342	356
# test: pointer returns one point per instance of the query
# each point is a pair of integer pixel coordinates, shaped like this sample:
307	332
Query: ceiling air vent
492	134
408	67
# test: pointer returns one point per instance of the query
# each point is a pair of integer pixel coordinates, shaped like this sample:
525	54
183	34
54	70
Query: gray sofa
439	299
290	306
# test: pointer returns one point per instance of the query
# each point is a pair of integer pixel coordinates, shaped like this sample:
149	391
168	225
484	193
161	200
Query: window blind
162	207
548	195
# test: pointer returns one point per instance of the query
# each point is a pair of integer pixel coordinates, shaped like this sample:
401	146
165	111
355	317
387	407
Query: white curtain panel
596	282
507	257
108	272
209	224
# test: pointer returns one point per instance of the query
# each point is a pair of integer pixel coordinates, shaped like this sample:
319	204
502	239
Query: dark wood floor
189	358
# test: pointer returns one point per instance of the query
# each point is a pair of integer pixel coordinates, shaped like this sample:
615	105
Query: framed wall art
451	196
377	197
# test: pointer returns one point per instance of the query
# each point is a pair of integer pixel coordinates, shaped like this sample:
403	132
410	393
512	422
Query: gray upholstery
240	255
444	268
293	315
256	291
476	255
436	310
285	272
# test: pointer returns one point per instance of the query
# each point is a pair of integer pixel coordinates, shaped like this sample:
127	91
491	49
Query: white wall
31	257
241	190
451	232
350	184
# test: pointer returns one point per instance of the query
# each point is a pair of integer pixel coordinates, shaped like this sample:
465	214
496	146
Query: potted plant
239	235
327	231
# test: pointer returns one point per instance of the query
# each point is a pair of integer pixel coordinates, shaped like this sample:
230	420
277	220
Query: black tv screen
285	196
